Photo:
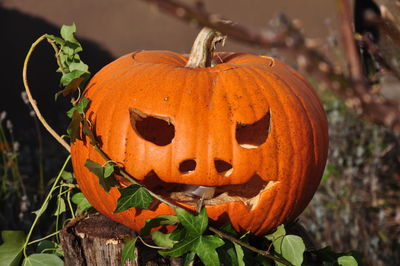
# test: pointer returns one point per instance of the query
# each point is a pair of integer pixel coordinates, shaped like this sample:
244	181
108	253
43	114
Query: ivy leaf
108	170
10	250
67	175
80	200
292	249
98	170
72	86
347	261
88	132
278	234
80	66
179	248
57	40
228	254
43	259
42	209
128	251
158	221
74	126
133	196
239	254
67	32
227	228
60	207
161	239
195	225
189	258
179	233
205	247
80	107
67	78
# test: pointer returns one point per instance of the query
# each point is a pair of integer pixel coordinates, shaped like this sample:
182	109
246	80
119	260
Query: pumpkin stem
201	54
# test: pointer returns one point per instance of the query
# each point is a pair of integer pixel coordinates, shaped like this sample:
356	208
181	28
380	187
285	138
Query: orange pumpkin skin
206	105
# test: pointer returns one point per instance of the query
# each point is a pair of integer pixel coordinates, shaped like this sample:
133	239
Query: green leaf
195	225
46	246
158	221
128	251
161	239
98	170
189	258
10	250
179	248
80	200
67	32
42	209
179	233
291	249
228	254
108	170
79	66
74	126
56	39
88	132
133	196
43	259
279	233
239	254
205	247
60	207
80	107
227	228
67	78
347	261
72	86
67	175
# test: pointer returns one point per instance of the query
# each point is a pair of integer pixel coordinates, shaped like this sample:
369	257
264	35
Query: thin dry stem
33	101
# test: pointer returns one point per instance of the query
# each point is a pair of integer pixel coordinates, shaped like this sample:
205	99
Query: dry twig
352	89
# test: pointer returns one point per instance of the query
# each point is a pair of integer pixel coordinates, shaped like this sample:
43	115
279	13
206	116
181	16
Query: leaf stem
43	238
243	244
44	205
150	246
132	180
33	101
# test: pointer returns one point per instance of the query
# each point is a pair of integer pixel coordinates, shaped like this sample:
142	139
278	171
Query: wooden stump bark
96	240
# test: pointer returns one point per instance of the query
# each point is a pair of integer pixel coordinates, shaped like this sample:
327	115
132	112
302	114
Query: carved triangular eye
251	136
156	129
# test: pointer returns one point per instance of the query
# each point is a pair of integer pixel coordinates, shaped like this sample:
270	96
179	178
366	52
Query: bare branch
354	89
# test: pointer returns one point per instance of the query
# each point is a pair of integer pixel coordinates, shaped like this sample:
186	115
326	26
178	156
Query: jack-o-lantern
248	134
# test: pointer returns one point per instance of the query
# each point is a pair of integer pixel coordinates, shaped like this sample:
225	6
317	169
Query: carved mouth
248	193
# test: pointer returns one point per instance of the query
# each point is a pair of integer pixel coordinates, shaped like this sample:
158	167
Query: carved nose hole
187	166
223	167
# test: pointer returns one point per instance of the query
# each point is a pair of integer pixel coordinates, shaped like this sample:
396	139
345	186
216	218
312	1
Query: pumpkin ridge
99	91
296	166
264	78
110	124
310	131
317	140
253	73
180	106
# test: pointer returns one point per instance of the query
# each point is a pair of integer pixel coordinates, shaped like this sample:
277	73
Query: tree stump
96	240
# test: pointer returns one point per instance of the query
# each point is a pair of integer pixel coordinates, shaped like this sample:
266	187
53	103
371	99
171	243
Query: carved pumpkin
249	131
